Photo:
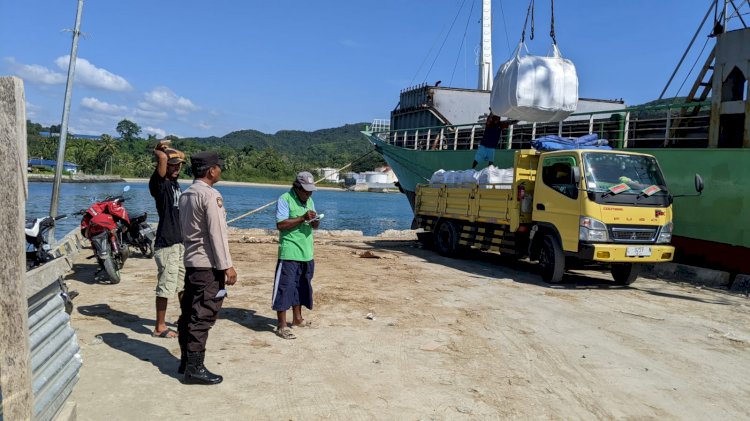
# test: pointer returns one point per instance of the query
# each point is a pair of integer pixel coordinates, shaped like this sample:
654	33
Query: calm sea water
371	213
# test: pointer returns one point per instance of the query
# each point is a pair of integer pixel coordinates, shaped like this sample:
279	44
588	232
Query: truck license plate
638	251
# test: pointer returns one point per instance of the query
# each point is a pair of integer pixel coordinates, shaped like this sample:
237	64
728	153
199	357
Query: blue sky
198	68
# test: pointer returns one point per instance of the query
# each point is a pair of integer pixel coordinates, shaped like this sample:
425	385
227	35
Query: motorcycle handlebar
114	199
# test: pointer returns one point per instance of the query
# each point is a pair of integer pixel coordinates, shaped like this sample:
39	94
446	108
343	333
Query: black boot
183	362
196	373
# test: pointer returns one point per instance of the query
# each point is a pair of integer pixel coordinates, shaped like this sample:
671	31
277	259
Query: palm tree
107	149
143	166
79	152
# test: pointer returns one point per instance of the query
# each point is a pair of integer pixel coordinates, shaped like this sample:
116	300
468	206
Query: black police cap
205	159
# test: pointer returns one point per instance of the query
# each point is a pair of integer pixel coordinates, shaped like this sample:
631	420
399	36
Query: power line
463	40
445	39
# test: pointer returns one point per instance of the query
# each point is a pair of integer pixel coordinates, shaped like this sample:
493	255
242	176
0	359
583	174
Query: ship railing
379	125
682	125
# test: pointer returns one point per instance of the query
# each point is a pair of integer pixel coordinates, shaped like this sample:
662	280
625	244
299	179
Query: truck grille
633	234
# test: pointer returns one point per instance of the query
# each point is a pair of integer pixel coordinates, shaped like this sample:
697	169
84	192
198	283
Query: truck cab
601	206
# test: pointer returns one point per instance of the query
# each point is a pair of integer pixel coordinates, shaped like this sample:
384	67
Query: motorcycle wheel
112	270
147	249
124	252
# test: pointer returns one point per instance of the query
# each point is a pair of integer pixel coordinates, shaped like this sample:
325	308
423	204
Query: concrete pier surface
401	333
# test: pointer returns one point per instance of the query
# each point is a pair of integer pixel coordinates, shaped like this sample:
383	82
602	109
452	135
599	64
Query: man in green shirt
292	287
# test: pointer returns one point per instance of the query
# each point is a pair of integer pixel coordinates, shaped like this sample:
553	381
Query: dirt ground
401	333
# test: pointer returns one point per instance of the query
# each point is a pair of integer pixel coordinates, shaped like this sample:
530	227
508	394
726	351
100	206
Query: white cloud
92	76
163	97
103	107
34	73
159	133
143	105
31	110
149	114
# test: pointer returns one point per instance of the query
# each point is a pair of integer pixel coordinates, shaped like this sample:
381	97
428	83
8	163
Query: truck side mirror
698	183
577	175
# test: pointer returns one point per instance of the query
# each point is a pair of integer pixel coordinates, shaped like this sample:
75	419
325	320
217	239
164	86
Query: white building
329	174
391	176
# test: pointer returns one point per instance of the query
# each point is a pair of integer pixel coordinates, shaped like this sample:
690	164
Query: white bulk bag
494	175
450	177
468	177
534	88
438	177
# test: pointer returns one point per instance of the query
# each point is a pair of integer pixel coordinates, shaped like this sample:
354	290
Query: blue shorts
292	285
485	154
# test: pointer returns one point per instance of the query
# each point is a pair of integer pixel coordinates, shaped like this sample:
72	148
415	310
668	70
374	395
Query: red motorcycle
104	225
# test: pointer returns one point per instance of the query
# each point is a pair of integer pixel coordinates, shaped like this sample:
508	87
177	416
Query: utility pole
64	124
485	50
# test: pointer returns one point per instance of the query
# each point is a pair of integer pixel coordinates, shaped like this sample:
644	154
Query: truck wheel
446	239
625	273
551	260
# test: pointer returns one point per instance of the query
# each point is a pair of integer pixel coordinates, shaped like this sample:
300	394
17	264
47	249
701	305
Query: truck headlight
665	234
592	230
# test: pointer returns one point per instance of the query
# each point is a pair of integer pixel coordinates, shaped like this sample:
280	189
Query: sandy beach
402	333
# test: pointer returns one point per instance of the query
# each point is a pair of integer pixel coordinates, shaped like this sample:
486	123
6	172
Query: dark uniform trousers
199	306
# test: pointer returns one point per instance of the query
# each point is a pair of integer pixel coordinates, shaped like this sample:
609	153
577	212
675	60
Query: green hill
249	155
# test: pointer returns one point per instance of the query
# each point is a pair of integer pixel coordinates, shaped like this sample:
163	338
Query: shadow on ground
144	351
248	319
88	273
685	297
491	265
118	318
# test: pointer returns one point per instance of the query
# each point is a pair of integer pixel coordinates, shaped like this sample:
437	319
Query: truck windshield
623	174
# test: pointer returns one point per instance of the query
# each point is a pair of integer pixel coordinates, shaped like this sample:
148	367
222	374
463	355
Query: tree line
249	155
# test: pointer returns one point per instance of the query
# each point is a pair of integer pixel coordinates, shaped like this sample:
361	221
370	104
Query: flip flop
285	333
305	323
167	334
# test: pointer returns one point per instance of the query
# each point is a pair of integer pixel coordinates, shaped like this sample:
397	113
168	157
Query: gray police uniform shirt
203	220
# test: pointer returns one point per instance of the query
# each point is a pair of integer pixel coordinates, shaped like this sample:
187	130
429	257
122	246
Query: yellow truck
562	208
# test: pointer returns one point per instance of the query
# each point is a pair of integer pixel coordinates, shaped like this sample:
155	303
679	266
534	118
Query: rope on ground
256	210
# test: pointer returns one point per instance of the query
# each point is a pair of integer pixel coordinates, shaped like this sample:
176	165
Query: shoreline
235	183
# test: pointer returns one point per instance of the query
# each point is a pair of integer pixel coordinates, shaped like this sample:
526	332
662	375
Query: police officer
208	265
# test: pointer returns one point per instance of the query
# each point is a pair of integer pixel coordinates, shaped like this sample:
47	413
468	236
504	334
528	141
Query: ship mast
485	55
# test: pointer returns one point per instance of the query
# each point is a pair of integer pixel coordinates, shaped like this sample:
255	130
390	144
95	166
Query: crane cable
256	210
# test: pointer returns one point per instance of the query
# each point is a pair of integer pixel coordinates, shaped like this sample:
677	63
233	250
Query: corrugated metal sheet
55	358
55	354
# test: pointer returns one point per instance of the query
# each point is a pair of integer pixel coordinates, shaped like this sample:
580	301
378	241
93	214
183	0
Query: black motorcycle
37	248
141	235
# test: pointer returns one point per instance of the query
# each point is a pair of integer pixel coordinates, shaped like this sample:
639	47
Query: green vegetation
249	155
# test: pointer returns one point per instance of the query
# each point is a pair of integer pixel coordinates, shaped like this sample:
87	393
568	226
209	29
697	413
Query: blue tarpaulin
558	143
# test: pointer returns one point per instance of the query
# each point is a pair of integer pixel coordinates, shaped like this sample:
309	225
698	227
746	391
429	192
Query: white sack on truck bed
494	175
